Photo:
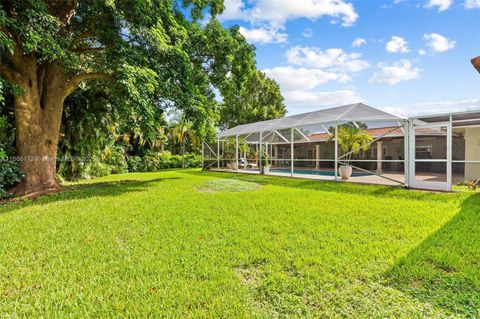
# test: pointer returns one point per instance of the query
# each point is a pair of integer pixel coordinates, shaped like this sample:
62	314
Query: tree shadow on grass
330	186
444	270
82	191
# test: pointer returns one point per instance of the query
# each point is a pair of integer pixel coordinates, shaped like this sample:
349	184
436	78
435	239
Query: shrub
134	164
98	169
193	160
154	161
10	173
116	160
165	160
150	162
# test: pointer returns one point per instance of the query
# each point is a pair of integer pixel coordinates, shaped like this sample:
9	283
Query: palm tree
181	133
353	139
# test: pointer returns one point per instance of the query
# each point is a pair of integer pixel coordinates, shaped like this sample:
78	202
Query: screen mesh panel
352	112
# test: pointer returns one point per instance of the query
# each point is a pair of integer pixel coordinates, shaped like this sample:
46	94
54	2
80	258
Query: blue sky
404	56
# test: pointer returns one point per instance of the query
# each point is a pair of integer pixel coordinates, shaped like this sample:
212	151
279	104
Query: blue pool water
313	172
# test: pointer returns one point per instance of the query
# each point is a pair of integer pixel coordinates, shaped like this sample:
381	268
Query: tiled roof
375	132
381	131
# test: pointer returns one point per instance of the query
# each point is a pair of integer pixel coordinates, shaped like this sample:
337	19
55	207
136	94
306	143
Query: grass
170	244
227	185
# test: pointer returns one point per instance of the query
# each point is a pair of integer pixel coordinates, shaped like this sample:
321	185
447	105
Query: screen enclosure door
430	156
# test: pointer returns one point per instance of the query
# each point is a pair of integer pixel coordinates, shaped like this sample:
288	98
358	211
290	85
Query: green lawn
200	244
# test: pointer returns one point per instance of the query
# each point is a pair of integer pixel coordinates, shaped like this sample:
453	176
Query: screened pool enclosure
431	152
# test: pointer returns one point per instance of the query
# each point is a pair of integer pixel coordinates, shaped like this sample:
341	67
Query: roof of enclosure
466	118
352	112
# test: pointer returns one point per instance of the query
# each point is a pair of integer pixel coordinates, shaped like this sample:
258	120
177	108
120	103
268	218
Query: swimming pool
314	172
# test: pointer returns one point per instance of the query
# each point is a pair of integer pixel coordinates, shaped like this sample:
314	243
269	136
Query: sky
406	57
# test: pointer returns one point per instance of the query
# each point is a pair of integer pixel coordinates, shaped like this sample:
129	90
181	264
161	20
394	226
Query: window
423	151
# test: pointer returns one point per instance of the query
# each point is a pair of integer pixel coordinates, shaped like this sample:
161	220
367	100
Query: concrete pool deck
368	179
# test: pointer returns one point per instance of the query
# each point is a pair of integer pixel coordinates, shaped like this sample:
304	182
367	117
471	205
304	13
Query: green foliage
153	161
116	160
183	138
7	128
135	164
6	137
260	99
98	169
161	56
88	133
352	139
158	52
10	173
230	147
102	136
265	156
38	30
98	130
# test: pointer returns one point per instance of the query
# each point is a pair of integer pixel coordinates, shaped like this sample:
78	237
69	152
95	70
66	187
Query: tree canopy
258	100
148	56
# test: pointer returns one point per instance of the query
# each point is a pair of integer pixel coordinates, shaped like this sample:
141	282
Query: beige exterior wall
472	152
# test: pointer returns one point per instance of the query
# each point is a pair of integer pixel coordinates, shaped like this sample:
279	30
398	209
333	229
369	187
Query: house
431	152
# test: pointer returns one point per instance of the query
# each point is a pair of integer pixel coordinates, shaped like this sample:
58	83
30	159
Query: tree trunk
38	109
38	115
183	153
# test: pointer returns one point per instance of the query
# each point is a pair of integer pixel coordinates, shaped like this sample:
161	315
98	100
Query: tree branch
9	74
82	36
75	81
64	10
88	50
15	56
89	32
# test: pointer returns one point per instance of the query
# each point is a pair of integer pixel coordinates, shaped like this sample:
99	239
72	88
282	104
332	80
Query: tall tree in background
151	52
260	99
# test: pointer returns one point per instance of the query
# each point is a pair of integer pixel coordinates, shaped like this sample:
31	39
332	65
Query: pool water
313	172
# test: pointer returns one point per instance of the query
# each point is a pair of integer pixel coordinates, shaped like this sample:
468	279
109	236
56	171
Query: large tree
155	50
258	100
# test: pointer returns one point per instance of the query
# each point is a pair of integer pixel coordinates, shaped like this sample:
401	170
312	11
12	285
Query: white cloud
332	59
277	12
299	86
234	10
440	107
394	73
442	5
445	106
397	45
422	52
264	35
438	42
358	42
472	4
307	33
290	78
310	68
301	101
